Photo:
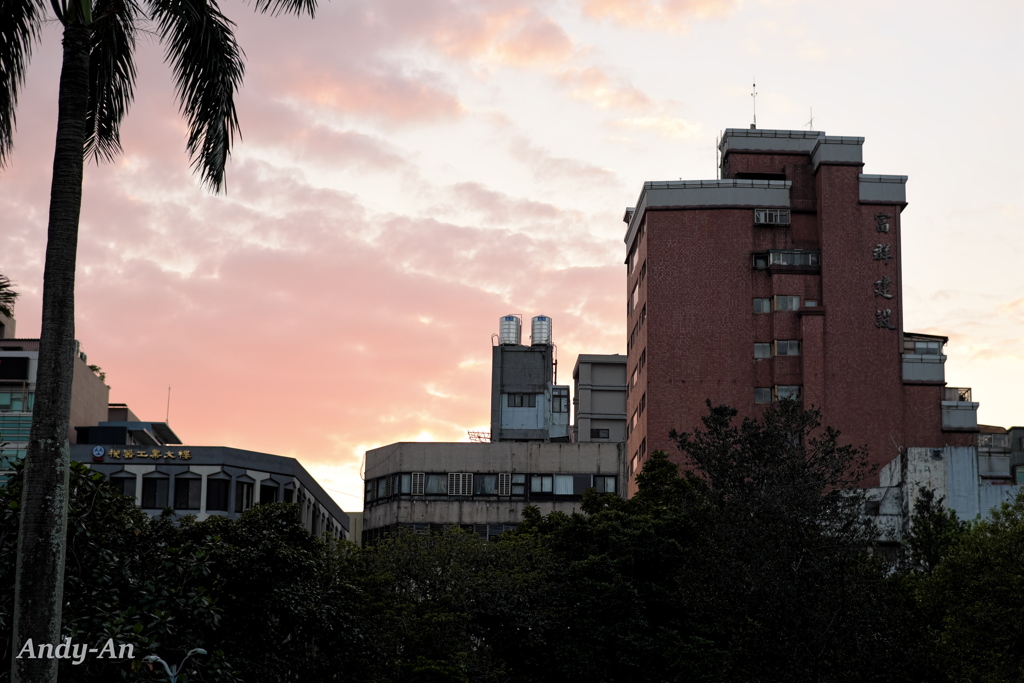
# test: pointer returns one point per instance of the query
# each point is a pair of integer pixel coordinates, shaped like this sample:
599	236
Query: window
404	483
522	400
186	494
560	399
504	484
791	392
604	484
217	491
563	485
762	305
599	433
436	484
14	367
771	216
787	303
637	326
124	484
809	303
922	347
371	491
154	493
634	298
417	483
760	261
268	492
460	484
788	347
541	483
762	350
383	487
243	495
16	400
794	258
289	495
762	395
485	485
518	484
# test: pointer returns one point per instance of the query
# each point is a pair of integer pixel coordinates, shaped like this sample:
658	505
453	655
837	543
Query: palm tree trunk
42	537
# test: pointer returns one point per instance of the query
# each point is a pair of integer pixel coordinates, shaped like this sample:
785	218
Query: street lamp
172	672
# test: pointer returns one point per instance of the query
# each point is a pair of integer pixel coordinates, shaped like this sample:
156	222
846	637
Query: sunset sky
412	170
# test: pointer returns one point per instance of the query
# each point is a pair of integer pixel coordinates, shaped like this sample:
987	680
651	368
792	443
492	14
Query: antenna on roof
810	123
753	93
167	416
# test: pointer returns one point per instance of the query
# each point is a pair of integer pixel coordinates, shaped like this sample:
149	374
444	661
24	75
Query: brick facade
694	275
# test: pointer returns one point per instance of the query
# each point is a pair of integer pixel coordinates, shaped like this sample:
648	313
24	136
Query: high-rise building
782	279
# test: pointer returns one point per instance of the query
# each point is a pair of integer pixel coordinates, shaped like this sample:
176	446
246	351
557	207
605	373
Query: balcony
958	411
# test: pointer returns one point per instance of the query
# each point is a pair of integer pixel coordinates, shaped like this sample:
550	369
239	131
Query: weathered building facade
481	487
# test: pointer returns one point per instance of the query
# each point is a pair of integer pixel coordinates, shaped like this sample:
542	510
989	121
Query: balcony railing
961	394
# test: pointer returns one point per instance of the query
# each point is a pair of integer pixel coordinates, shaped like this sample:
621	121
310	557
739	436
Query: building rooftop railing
961	394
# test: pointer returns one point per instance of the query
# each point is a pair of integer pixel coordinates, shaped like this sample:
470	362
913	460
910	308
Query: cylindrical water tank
510	330
540	330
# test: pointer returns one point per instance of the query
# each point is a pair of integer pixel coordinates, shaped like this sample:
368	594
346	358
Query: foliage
7	296
755	565
971	602
264	598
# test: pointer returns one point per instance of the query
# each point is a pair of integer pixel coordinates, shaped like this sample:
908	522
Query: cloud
664	15
505	33
593	85
665	126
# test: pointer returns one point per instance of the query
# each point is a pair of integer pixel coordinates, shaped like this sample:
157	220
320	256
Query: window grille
460	484
504	484
771	216
417	483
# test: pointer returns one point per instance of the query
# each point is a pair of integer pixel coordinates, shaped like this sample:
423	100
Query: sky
411	171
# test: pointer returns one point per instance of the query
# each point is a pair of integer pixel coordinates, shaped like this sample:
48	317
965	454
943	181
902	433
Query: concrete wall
89	399
600	396
7	327
505	456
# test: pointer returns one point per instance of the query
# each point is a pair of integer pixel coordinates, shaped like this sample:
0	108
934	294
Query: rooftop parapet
758	140
700	193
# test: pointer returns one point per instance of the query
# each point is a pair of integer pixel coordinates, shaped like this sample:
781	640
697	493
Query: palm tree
7	296
96	87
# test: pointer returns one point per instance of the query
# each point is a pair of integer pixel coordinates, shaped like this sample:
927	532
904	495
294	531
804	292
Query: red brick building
782	279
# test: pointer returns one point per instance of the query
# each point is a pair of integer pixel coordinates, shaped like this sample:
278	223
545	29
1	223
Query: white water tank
510	330
540	330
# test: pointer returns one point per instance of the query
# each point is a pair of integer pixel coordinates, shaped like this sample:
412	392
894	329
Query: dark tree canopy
734	571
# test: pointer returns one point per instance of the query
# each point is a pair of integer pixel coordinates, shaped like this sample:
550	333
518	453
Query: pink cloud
671	15
596	86
511	33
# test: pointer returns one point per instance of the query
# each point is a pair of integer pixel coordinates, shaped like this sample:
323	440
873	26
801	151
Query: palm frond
276	7
7	296
20	21
208	69
111	75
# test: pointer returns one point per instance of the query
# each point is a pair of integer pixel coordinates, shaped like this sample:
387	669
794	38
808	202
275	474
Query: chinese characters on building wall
883	252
